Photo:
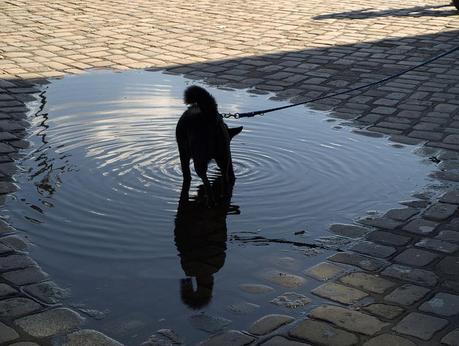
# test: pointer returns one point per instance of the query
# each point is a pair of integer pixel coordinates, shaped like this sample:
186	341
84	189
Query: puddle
99	196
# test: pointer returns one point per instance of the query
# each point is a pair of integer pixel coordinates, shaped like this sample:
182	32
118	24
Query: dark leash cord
264	111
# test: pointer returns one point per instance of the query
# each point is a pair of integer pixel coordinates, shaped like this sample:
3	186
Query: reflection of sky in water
112	180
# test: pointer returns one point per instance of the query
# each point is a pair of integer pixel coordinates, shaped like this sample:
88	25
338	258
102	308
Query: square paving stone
6	290
25	276
384	310
19	306
449	236
414	275
415	257
437	245
443	304
269	323
380	222
351	320
440	211
368	282
373	249
281	341
324	271
323	334
389	340
451	197
12	262
7	333
48	292
361	261
50	322
407	294
339	293
350	231
91	337
452	338
401	214
228	338
449	265
420	325
388	238
420	226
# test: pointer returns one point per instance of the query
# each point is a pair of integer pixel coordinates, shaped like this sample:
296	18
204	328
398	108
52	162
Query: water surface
101	186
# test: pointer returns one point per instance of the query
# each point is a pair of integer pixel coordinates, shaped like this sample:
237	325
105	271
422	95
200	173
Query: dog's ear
234	131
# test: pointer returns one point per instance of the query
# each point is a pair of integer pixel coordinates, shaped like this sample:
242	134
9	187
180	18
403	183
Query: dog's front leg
201	170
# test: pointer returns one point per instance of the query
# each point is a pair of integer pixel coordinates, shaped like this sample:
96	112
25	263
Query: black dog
202	136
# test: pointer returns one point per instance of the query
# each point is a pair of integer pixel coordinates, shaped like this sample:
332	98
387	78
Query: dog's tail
234	131
200	96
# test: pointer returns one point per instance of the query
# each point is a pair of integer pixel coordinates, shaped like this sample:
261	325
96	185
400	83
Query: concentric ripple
104	176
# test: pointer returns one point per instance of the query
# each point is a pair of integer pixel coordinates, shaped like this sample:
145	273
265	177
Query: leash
264	111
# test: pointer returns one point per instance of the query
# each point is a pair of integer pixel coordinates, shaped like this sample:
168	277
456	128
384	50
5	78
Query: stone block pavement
404	285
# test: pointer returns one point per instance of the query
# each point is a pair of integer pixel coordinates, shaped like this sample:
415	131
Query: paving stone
420	325
452	139
89	337
24	343
284	279
322	333
19	306
449	236
417	276
415	257
388	238
48	292
339	293
443	304
350	231
291	300
50	322
242	308
437	245
452	338
368	282
26	276
384	310
7	333
420	226
380	222
229	338
451	197
349	319
269	323
6	290
407	294
361	261
401	214
163	337
325	271
449	265
256	288
373	249
209	323
440	211
15	262
281	341
389	340
14	242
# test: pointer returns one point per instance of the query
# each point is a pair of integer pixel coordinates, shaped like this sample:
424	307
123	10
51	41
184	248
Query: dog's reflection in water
200	237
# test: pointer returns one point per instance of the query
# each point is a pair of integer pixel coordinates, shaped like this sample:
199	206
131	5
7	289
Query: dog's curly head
195	94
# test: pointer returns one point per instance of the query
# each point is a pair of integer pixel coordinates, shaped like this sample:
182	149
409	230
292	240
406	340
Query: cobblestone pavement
398	287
